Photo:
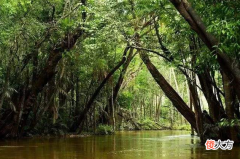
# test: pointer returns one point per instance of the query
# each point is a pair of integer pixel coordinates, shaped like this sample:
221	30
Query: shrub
148	124
182	127
104	130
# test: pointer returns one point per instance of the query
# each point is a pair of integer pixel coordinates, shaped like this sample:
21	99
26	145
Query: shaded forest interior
73	66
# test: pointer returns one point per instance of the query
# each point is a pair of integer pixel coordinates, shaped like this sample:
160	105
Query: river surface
122	145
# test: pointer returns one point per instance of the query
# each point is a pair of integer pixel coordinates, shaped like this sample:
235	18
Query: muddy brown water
167	144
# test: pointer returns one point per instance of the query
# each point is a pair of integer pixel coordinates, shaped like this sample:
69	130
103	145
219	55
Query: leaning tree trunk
118	85
80	119
169	91
229	66
12	128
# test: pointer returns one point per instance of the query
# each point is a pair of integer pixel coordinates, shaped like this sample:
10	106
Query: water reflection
123	145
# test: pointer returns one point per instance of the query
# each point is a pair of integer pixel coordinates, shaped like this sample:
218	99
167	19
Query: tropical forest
119	79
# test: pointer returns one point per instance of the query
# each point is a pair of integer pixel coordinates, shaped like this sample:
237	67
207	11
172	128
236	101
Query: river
123	145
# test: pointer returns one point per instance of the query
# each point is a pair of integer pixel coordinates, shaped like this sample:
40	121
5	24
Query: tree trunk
197	108
229	66
7	129
77	107
191	107
113	97
229	102
229	96
215	110
169	91
83	115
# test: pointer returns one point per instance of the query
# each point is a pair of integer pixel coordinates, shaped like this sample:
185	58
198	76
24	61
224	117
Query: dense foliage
80	65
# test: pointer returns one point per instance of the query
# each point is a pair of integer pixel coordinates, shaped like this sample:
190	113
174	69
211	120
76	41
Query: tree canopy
76	65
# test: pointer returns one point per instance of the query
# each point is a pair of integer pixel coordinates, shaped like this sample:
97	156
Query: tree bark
229	102
83	115
169	91
113	97
77	107
6	128
229	66
229	96
197	108
215	110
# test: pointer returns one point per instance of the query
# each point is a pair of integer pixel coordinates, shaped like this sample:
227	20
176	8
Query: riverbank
167	144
